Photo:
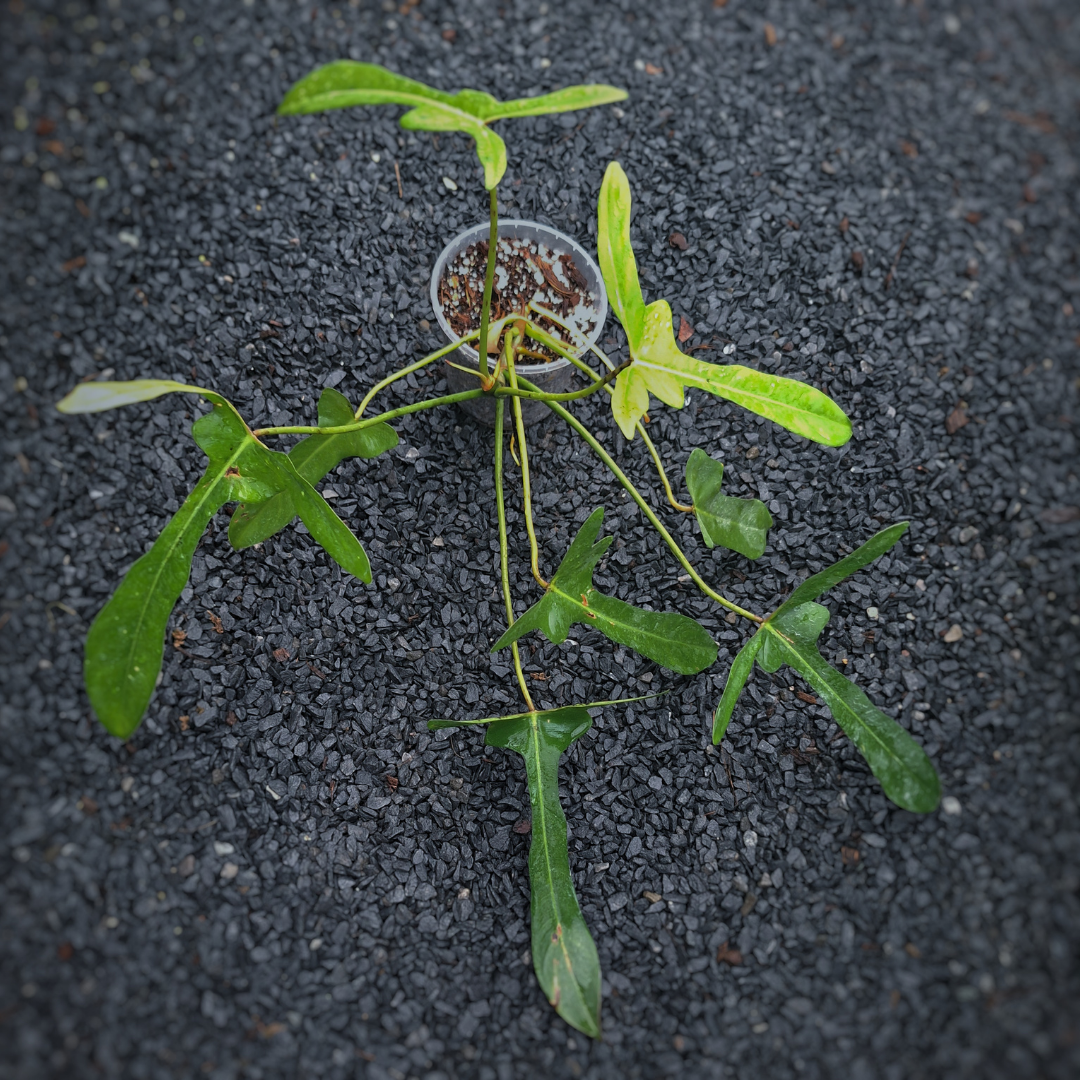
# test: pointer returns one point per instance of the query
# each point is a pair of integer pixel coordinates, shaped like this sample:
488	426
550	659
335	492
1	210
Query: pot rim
513	227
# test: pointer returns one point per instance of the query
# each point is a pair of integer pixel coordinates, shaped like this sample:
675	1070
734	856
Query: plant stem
504	562
489	280
382	384
575	395
663	475
613	372
393	414
526	487
647	510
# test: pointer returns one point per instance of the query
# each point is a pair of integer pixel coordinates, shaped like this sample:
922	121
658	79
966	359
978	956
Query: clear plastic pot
553	377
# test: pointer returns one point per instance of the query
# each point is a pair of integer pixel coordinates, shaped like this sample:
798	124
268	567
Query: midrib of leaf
837	702
595	617
534	726
702	382
135	638
418	101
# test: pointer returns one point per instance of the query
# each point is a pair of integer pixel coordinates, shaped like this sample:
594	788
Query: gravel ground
239	891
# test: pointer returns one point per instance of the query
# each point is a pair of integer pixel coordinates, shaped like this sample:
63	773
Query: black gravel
238	891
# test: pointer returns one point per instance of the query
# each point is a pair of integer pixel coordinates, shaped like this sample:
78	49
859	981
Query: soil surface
284	873
526	274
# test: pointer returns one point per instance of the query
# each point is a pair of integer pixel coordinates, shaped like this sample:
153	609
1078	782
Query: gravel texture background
238	892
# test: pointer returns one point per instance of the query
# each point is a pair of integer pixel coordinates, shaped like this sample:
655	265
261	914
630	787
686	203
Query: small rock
229	871
950	805
222	848
954	633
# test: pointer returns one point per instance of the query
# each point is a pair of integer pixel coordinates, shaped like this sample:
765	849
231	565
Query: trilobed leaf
673	640
660	368
564	954
346	82
313	457
125	644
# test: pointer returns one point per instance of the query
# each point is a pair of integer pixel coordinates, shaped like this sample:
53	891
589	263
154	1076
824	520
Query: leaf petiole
400	374
392	414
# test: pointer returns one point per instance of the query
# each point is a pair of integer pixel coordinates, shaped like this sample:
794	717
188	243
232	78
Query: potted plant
125	642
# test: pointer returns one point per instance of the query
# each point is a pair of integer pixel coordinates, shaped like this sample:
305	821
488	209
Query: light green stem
504	558
526	486
554	344
647	510
489	280
393	414
392	378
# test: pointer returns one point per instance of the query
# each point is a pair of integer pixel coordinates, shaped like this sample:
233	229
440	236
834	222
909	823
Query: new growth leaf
660	368
346	82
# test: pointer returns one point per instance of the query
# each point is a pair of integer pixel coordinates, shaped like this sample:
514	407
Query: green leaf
906	774
125	644
660	368
94	397
862	556
346	82
739	524
741	667
802	624
673	640
617	263
564	954
313	457
569	99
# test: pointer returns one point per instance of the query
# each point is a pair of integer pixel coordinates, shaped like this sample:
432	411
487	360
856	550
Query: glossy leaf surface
906	774
802	624
313	457
741	667
346	82
739	524
673	640
660	368
616	255
564	955
862	556
125	644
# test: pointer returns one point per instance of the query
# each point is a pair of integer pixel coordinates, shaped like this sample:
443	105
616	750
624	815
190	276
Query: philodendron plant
270	489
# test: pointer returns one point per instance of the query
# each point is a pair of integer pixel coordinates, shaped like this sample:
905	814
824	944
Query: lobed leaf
125	644
740	670
564	955
313	457
670	639
739	524
347	82
660	368
906	774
